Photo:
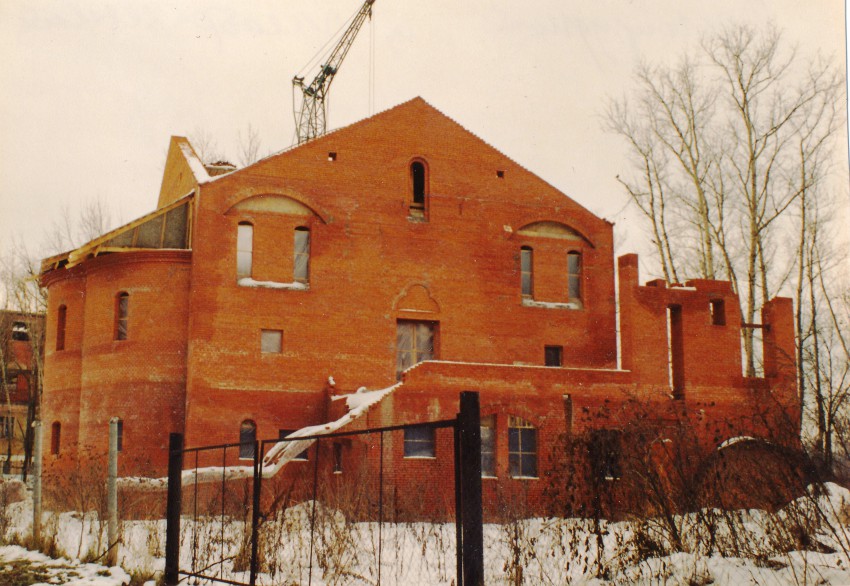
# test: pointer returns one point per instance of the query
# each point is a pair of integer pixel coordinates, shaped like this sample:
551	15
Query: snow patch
249	282
550	304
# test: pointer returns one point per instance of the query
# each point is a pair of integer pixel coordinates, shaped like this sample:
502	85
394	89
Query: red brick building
250	297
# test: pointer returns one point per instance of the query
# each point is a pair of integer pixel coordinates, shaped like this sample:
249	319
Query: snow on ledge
249	282
550	304
736	440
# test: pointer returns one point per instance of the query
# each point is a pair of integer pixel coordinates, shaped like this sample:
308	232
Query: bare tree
730	153
249	146
205	146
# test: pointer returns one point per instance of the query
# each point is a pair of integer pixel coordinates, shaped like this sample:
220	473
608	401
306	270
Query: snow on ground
543	551
21	566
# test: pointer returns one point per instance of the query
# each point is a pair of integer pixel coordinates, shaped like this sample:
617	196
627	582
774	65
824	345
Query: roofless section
166	228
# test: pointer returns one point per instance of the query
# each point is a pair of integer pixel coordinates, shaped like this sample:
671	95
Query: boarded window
526	262
122	312
574	276
419	442
244	250
282	433
604	449
301	272
522	448
553	355
418	181
488	446
247	439
55	433
271	341
414	343
61	316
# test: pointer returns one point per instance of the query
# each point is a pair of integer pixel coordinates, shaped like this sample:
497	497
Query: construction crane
311	115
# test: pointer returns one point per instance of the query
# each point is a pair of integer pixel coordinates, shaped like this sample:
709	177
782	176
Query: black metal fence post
469	422
259	447
172	513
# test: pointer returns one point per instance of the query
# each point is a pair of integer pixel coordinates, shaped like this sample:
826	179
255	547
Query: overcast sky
91	91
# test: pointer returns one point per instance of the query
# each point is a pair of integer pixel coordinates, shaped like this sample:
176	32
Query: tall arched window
55	432
526	256
247	439
122	312
301	273
244	249
61	316
419	184
574	276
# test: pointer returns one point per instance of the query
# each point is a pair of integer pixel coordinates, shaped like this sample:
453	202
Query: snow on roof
194	162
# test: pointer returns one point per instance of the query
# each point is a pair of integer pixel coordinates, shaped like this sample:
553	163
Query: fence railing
245	528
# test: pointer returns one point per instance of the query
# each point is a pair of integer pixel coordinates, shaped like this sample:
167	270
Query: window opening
522	448
574	276
247	439
331	156
55	432
419	442
526	255
337	458
676	350
122	311
301	272
414	343
553	355
244	250
717	308
604	450
20	332
417	175
500	174
7	427
61	316
271	341
303	456
120	429
488	446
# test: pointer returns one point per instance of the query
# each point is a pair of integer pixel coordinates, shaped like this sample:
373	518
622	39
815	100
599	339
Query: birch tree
730	154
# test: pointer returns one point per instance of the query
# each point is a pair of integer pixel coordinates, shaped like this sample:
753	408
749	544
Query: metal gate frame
468	506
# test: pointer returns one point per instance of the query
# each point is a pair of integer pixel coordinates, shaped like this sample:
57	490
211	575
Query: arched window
247	439
55	432
61	316
522	448
301	273
526	261
574	276
244	249
419	183
122	311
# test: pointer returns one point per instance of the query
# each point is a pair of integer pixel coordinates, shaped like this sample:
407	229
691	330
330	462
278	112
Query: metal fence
324	519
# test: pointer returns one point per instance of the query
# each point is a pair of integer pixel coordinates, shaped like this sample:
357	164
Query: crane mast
308	101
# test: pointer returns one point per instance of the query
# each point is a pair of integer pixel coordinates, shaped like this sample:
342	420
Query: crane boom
311	116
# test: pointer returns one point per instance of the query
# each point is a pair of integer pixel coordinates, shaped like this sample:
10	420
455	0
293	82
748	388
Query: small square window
303	456
271	341
553	355
331	156
419	442
500	174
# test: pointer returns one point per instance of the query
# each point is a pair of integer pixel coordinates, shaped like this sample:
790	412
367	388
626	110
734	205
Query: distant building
20	337
399	249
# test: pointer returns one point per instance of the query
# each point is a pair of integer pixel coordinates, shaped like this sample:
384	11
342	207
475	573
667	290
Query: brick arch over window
275	203
554	229
417	298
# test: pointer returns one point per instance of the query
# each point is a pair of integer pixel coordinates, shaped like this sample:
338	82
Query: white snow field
807	542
